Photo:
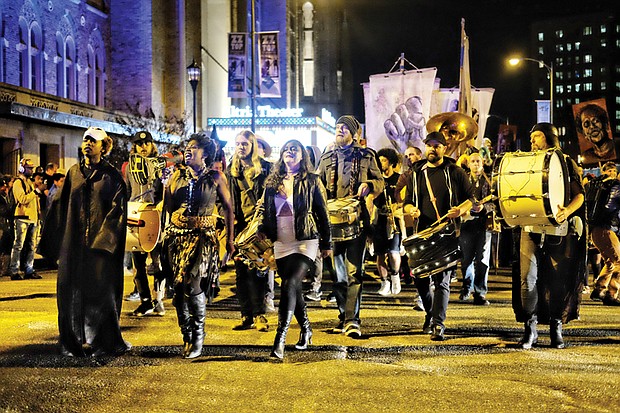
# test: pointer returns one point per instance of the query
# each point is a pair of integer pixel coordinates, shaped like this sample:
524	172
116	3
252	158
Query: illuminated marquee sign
265	111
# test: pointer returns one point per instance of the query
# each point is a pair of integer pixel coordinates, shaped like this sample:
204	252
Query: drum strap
332	175
432	194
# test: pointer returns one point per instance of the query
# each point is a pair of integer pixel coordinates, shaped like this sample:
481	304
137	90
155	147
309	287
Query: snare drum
529	187
143	227
345	218
253	251
433	250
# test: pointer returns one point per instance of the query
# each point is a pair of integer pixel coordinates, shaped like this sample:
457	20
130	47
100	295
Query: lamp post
193	75
516	60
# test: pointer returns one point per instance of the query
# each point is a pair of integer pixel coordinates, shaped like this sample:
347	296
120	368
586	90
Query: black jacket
310	206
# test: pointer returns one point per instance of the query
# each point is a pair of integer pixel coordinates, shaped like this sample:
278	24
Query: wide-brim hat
266	146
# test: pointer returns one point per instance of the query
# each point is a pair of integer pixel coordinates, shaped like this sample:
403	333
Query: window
587	30
577	45
569	47
66	68
96	70
541	91
577	100
559	75
30	49
603	42
2	52
587	58
559	34
541	51
617	85
603	28
603	86
569	88
559	47
577	87
577	60
587	87
559	89
541	37
587	73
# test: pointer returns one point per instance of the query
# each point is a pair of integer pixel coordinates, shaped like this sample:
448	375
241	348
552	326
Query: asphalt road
394	367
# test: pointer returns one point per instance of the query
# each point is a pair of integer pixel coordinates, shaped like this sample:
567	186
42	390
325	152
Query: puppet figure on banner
596	142
237	61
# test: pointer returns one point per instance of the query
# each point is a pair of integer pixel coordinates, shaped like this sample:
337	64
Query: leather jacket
310	206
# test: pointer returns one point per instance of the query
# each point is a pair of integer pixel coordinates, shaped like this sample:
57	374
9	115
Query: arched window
66	63
96	69
30	48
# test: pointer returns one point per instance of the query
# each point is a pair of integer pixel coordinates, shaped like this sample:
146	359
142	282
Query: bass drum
143	227
433	250
254	252
529	187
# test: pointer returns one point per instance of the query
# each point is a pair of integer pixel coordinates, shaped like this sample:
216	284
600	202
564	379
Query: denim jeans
24	230
476	248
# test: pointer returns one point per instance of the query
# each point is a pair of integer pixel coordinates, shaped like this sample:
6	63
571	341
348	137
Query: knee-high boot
181	305
305	335
555	331
530	336
197	309
284	321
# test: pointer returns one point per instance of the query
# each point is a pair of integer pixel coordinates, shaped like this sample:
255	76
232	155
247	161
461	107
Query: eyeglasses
291	148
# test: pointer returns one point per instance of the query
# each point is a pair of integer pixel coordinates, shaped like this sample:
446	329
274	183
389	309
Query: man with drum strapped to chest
349	173
438	188
143	177
550	263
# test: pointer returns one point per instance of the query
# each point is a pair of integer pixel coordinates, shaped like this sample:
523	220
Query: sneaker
339	328
418	305
313	295
385	288
428	321
133	297
331	298
16	277
464	296
158	308
32	276
353	330
246	324
261	323
269	305
480	300
395	281
437	334
145	308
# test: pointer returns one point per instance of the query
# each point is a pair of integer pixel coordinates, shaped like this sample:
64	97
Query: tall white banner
397	107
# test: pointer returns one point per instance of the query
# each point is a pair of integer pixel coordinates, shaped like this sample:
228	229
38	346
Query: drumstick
482	201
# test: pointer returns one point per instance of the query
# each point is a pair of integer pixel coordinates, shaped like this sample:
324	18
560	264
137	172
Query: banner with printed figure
397	107
269	61
237	65
596	142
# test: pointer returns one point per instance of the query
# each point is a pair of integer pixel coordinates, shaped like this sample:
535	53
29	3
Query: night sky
428	32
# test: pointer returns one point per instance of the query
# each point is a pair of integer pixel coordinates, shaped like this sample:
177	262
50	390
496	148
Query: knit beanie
351	123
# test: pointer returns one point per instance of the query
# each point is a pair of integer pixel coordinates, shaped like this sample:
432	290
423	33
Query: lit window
587	58
603	86
587	30
577	87
617	85
559	47
541	51
559	34
569	88
96	69
577	45
66	66
603	42
568	47
577	59
587	73
587	87
541	37
30	55
603	28
577	100
603	70
618	100
559	89
541	91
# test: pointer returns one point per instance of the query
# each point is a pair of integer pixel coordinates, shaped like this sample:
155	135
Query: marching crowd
293	217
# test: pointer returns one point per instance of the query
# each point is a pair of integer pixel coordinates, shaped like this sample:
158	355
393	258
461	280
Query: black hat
351	123
437	137
550	131
142	136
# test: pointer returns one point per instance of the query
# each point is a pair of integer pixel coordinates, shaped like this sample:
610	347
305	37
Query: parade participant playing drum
438	188
349	170
556	295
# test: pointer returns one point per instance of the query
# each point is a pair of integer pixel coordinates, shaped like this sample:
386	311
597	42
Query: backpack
597	194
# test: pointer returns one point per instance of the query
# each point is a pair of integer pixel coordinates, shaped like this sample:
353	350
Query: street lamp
193	74
516	60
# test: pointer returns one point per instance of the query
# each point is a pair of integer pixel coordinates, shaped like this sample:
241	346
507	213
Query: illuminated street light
193	75
516	60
